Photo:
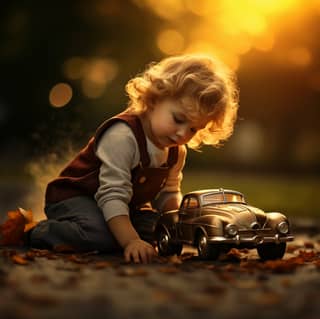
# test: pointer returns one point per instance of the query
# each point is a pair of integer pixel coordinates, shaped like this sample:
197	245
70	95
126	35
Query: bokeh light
94	74
230	28
170	42
60	95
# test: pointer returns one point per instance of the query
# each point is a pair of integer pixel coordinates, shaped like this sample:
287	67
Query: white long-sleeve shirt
119	153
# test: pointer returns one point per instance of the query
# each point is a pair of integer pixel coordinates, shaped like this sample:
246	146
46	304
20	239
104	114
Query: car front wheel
206	250
165	245
271	251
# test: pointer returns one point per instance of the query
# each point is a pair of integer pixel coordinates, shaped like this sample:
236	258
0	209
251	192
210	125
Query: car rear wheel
206	250
165	245
271	251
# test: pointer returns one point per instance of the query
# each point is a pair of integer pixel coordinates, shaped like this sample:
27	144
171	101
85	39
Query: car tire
206	250
165	245
271	251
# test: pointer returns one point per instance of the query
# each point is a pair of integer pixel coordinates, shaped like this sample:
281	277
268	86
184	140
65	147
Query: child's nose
182	134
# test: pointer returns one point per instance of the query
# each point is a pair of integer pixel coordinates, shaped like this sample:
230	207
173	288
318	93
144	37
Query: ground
39	283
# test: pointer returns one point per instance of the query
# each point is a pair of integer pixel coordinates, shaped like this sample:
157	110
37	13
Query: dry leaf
233	255
78	259
102	264
282	266
12	230
132	271
19	260
309	244
308	256
63	248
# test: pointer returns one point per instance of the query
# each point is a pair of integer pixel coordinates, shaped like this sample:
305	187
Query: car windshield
223	198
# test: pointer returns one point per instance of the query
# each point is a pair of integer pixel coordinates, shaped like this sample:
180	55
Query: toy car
216	220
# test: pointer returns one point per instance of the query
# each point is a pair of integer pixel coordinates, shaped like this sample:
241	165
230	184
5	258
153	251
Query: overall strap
172	156
135	124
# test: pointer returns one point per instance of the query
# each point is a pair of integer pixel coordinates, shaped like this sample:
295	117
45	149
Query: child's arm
118	151
170	196
134	247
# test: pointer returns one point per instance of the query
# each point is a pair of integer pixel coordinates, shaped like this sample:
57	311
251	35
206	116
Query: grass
293	196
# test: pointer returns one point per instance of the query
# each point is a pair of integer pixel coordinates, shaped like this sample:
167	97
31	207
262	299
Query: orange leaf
102	264
11	231
17	259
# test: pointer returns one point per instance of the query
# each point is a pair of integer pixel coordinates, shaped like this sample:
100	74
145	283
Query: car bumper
256	239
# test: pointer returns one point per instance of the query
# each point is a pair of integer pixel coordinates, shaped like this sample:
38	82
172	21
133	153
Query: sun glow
231	28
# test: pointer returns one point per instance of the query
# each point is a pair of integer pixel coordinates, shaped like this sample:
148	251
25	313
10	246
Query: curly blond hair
203	86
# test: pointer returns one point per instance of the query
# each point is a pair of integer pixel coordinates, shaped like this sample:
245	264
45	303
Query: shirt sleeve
172	187
118	151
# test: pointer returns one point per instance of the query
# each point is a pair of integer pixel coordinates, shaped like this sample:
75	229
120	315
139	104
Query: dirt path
55	285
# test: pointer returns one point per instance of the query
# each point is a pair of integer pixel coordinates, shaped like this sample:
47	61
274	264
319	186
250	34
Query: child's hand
139	251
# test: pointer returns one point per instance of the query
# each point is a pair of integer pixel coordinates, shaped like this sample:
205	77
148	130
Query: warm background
64	65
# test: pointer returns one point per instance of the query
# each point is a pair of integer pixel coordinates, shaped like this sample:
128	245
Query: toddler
131	168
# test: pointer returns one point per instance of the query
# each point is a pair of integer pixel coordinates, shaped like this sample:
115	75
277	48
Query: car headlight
231	230
283	227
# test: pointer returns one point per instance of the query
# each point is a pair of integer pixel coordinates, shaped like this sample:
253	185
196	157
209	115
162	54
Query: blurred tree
37	37
108	41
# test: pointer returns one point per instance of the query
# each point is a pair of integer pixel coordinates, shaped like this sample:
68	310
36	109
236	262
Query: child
135	159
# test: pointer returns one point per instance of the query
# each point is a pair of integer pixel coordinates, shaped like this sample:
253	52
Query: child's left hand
139	251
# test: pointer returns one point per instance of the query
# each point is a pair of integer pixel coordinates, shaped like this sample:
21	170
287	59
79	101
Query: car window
185	203
223	198
193	202
213	198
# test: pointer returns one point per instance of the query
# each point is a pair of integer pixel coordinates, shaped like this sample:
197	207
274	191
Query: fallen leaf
28	215
30	255
102	264
12	230
132	271
41	252
282	266
292	248
308	256
78	259
63	248
309	244
234	255
19	260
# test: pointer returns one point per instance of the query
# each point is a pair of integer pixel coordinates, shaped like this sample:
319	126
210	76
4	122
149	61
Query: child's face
169	125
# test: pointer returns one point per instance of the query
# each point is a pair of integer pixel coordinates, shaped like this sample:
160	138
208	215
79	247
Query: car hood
240	214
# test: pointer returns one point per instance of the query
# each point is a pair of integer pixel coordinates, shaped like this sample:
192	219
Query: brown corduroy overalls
73	215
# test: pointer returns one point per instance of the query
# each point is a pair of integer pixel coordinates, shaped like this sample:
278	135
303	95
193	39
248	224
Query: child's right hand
139	251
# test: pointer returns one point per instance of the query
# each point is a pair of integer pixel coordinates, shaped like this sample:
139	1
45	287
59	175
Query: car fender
274	218
209	225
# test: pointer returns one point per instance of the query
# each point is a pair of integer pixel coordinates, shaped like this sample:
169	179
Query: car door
188	212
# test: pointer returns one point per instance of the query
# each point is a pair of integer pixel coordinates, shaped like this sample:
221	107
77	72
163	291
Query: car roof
213	190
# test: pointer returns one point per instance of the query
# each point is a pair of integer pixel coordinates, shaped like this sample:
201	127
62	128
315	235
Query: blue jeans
77	222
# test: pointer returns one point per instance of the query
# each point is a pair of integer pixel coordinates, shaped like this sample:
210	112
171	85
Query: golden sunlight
170	42
98	73
300	56
227	27
60	95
